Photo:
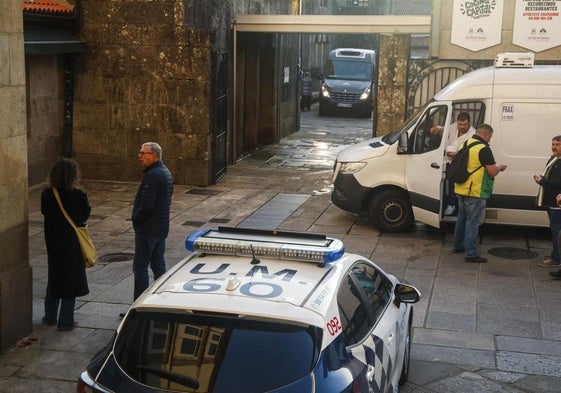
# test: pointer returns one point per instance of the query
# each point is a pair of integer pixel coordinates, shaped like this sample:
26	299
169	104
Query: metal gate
220	124
425	78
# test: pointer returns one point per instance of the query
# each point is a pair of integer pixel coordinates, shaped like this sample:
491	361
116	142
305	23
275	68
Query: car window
376	287
210	353
428	133
362	298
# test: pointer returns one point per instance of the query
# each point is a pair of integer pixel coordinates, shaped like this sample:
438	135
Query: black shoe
556	275
122	315
458	250
47	322
476	259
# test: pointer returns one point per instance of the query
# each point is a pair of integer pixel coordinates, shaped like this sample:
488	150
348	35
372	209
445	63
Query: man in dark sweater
150	217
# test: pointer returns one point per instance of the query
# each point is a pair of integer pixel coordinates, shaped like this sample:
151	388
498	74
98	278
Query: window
362	298
210	353
428	133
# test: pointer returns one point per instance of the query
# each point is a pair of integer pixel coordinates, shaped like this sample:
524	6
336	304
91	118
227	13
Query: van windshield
215	353
349	70
393	137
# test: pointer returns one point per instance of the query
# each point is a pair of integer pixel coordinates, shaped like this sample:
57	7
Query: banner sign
537	25
477	24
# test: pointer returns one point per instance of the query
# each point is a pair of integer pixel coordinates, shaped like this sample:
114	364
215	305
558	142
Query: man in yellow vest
473	194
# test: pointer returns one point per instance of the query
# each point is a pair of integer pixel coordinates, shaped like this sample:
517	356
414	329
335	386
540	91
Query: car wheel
407	354
322	111
390	211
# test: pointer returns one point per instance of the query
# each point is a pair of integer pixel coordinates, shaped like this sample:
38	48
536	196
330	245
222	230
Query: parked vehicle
399	177
347	82
259	311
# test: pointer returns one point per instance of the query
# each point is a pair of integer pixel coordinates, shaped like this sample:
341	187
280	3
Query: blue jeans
554	216
64	319
148	252
471	214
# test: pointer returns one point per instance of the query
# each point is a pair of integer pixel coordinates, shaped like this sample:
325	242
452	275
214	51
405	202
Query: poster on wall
537	25
477	24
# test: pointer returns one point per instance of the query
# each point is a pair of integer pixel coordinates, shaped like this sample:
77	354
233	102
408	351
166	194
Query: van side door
425	164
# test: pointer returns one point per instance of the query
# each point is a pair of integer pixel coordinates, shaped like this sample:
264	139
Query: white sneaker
449	210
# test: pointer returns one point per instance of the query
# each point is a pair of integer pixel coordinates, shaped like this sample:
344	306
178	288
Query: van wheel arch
390	210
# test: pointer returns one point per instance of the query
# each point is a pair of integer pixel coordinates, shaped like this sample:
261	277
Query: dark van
347	82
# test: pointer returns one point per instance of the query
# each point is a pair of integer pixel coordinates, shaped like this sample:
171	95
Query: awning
43	41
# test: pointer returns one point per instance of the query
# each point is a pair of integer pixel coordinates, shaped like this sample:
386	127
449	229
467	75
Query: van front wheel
390	211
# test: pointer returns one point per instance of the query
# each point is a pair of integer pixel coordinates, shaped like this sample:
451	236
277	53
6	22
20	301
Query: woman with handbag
66	271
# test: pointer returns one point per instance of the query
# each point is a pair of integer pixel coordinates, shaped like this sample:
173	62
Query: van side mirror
402	143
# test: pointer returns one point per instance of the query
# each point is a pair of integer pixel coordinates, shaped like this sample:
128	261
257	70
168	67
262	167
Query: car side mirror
402	143
407	294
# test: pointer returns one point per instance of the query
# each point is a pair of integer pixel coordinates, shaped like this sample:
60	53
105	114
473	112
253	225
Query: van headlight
351	167
365	94
324	91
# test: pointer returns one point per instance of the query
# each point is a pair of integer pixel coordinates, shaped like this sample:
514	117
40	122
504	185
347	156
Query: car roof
293	290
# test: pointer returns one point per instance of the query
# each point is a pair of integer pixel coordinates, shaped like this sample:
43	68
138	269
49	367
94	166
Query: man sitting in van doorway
550	187
460	131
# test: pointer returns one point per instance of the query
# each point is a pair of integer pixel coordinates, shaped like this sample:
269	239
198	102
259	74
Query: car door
369	337
424	171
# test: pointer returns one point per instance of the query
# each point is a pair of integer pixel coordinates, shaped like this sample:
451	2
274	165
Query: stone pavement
492	327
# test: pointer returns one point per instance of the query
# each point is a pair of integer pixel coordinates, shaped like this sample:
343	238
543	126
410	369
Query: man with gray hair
150	217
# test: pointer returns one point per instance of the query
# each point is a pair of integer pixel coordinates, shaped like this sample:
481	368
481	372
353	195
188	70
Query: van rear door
425	164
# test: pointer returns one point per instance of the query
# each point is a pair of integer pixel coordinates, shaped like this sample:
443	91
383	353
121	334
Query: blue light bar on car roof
282	245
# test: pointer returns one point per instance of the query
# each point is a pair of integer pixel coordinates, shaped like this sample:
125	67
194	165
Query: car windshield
353	70
214	353
392	137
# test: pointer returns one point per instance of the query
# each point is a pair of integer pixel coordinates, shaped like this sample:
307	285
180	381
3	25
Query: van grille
345	97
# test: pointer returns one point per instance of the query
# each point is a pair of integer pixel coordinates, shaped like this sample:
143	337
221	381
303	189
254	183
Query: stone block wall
392	82
15	273
144	77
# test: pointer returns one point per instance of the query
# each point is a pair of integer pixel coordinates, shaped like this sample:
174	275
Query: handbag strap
55	191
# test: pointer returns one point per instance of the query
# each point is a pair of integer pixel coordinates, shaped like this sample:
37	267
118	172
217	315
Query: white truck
400	177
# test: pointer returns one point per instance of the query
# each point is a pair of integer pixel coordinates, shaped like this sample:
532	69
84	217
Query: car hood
346	86
363	151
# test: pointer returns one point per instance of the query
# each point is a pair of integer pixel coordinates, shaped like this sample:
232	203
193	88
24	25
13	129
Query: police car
262	311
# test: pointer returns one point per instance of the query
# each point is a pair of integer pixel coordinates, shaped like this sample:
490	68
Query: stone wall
45	113
144	77
147	75
392	82
15	273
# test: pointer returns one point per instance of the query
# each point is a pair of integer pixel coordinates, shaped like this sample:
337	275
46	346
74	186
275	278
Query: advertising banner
537	25
477	24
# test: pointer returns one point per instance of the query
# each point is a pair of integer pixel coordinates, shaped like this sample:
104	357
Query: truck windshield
393	137
345	69
215	353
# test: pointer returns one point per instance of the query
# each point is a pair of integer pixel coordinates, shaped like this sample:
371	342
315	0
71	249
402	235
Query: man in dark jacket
550	187
150	217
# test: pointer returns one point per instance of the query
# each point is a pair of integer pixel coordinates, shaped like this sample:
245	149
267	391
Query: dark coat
551	184
152	203
66	271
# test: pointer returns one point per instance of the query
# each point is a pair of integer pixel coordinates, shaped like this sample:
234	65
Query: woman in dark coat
66	271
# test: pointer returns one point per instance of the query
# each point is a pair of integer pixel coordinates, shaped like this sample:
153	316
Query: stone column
392	82
15	273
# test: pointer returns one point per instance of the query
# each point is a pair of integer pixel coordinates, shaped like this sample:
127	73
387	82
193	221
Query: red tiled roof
48	6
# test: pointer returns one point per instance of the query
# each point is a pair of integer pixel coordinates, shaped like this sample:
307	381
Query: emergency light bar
282	245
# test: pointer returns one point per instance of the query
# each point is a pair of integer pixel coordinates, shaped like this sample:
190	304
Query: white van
399	177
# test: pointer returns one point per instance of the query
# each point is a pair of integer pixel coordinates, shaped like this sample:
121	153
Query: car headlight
351	167
324	91
365	94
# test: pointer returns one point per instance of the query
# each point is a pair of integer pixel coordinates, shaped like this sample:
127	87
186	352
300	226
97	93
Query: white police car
247	312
